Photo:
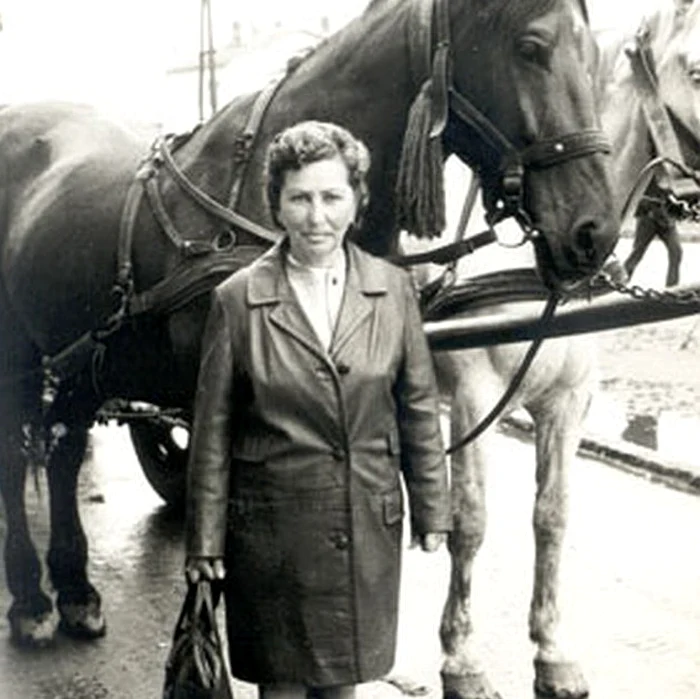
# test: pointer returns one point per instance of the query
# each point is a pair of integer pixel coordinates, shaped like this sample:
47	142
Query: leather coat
295	464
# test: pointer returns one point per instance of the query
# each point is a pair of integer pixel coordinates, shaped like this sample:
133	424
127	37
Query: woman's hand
204	568
430	541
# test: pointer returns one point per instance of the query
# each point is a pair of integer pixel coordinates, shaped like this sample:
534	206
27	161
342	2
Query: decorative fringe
420	192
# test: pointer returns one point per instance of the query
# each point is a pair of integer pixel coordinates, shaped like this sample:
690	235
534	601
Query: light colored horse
556	391
674	37
674	34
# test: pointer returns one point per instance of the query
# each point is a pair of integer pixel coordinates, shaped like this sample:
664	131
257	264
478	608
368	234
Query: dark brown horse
91	310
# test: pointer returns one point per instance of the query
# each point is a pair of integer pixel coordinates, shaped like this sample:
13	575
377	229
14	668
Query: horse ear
584	10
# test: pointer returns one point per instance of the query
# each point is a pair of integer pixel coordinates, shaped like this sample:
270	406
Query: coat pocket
392	506
255	447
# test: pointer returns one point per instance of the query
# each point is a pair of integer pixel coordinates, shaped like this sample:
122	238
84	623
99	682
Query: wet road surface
631	583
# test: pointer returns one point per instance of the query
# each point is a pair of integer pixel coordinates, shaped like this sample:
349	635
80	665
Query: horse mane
506	16
584	10
375	4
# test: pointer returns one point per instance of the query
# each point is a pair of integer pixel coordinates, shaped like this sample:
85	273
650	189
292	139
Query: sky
114	53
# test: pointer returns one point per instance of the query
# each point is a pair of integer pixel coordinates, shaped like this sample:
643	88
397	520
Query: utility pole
207	59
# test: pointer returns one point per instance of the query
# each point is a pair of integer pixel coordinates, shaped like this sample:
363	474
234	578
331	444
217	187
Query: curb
631	458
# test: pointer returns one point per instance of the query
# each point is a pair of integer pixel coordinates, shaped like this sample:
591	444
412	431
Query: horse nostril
586	235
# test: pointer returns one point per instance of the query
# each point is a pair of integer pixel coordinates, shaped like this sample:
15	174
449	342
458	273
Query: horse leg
558	430
462	674
644	232
32	622
78	602
674	248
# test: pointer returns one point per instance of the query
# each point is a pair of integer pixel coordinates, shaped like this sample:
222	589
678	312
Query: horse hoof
82	621
33	631
473	685
559	680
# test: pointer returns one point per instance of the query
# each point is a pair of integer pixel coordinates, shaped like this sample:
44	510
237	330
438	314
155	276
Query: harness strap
126	230
481	124
446	254
161	214
209	203
420	49
554	151
190	280
245	142
441	73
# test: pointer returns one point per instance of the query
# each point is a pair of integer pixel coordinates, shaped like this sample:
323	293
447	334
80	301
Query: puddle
642	430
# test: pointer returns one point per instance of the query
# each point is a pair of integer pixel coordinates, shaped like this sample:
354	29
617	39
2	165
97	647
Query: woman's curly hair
311	141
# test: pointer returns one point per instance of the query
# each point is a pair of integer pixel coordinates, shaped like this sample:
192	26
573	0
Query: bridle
513	162
432	18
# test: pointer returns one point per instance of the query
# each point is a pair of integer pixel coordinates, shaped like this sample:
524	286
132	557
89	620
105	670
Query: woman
315	392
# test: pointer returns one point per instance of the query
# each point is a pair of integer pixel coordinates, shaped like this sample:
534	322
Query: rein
514	384
434	293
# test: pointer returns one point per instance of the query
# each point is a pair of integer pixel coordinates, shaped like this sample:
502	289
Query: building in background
247	62
139	60
253	44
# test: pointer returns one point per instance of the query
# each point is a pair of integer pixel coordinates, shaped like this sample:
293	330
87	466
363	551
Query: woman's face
317	205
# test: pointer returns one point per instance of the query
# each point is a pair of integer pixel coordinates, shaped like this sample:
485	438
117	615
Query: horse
108	250
555	392
670	35
557	388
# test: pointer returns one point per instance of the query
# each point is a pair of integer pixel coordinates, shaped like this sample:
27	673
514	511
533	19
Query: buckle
241	147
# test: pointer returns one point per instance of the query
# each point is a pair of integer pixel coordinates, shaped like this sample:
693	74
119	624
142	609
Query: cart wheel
162	453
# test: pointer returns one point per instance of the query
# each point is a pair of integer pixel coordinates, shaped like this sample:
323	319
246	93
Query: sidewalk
643	462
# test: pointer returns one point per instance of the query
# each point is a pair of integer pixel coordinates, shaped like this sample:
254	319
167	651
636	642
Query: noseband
445	97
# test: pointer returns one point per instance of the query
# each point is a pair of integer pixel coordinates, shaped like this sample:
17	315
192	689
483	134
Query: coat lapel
365	281
268	285
289	317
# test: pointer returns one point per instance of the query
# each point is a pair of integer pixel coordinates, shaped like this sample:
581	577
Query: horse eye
534	52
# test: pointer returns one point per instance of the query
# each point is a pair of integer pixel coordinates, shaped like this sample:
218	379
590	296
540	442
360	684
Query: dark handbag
195	667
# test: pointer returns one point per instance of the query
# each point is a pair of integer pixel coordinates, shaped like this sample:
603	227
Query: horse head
675	40
538	149
670	36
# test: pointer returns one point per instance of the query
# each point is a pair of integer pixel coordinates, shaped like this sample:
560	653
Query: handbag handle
204	613
196	663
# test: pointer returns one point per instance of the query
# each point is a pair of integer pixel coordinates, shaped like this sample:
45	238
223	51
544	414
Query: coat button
340	540
343	369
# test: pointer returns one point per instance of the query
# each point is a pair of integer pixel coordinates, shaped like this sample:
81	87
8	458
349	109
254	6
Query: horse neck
621	116
358	78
